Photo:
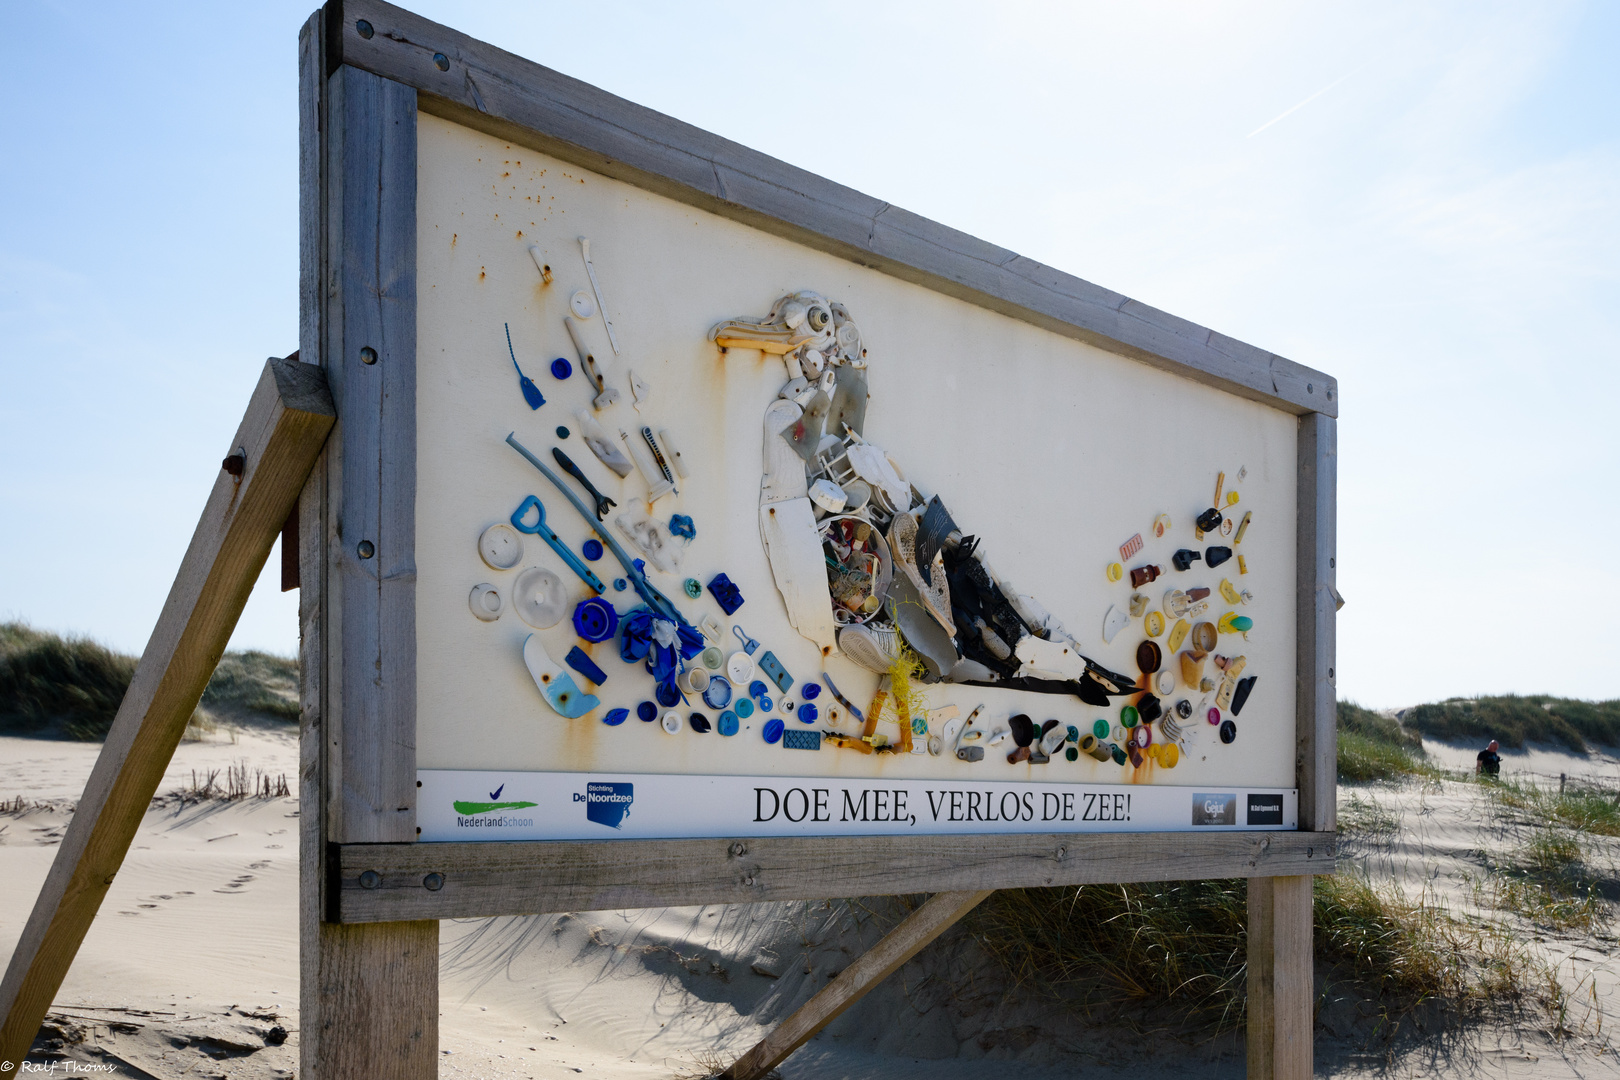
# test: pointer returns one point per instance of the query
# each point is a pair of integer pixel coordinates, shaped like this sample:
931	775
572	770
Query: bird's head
804	326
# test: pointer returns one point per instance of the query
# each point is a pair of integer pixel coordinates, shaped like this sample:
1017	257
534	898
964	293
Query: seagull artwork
866	564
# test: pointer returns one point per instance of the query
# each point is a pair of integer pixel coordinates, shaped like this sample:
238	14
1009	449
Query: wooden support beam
287	421
1317	603
872	967
1282	988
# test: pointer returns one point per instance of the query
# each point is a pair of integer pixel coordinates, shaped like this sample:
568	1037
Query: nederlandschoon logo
476	815
607	803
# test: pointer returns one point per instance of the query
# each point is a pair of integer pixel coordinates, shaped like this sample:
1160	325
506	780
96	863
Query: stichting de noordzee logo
607	802
487	815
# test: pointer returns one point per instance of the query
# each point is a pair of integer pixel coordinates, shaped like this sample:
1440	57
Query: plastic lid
562	432
592	549
647	711
560	368
717	695
773	731
808	713
1128	715
672	723
1100	729
810	691
727	723
595	619
744	707
1228	731
757	688
668	696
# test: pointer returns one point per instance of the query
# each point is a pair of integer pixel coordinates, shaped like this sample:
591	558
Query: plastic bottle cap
562	432
808	713
1128	716
756	688
1228	731
1213	716
1115	571
647	711
1153	623
592	549
672	723
561	368
773	731
744	707
1100	729
810	691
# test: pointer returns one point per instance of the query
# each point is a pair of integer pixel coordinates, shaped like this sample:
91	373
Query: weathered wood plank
504	95
229	548
1317	599
379	994
477	879
371	324
870	968
1281	986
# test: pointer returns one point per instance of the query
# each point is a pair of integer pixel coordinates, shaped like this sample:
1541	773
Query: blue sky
1419	199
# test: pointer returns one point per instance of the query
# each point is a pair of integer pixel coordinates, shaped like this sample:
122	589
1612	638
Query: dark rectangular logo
607	803
1219	809
1265	809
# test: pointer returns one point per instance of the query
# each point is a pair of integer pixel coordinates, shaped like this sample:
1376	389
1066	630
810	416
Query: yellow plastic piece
1153	623
1178	634
1231	498
1161	525
1242	527
1243	565
1231	594
1115	571
1169	754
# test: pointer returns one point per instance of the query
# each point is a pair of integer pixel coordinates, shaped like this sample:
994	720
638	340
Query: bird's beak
749	334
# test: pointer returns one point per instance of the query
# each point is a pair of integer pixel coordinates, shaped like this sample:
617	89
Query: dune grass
71	687
1376	748
1513	720
1182	946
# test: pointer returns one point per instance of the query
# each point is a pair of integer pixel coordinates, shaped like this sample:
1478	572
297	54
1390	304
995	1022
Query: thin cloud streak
1296	108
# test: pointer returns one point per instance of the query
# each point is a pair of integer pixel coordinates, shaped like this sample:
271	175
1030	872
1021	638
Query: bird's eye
818	318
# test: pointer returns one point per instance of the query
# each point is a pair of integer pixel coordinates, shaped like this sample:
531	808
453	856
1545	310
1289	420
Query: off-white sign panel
1053	451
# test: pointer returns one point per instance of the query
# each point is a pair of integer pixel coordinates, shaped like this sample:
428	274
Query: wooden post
286	423
878	963
1282	988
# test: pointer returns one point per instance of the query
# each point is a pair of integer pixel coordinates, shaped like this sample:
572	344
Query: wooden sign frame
366	69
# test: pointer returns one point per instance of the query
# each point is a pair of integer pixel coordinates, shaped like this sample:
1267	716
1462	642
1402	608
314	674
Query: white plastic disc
584	307
740	668
501	547
672	723
485	602
539	598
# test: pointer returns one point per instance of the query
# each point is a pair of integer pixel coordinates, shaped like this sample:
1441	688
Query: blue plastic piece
616	717
561	368
539	529
801	740
727	595
717	695
756	688
619	584
748	643
580	662
766	704
744	707
810	691
773	731
699	722
808	713
668	696
773	669
531	392
727	724
562	432
595	619
593	551
647	712
681	525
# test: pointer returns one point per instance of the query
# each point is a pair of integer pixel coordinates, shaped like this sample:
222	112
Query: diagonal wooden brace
876	964
287	421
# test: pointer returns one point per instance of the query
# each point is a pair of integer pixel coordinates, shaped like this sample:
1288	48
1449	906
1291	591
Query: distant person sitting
1490	762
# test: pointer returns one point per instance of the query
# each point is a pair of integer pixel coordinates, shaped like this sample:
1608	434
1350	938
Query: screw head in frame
433	882
368	355
441	61
366	549
364	29
370	879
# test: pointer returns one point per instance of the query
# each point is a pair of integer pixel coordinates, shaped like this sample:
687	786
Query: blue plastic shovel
539	529
531	392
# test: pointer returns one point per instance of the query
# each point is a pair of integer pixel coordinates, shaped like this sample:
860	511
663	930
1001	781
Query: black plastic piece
1210	520
1023	729
1149	708
1241	695
1216	555
1184	558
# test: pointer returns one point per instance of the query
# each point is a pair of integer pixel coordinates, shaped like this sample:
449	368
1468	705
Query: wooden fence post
1282	988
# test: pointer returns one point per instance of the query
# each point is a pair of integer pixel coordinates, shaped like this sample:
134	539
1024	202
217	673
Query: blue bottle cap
756	688
773	731
561	368
619	584
562	432
810	691
808	713
744	707
616	717
717	695
727	724
766	704
668	696
647	711
592	549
